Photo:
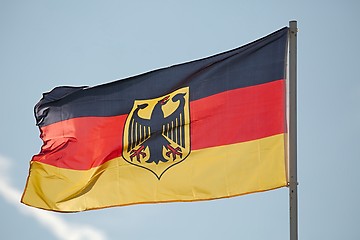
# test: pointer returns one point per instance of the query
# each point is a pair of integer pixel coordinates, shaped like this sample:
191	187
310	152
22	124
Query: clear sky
44	44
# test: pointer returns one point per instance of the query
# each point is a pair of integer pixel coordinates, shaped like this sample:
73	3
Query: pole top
293	26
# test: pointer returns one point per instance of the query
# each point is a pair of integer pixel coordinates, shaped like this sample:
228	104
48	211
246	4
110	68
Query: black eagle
143	133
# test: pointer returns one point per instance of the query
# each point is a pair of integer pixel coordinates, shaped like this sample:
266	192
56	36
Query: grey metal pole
293	198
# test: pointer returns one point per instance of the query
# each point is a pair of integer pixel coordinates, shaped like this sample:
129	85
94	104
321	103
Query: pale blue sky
44	44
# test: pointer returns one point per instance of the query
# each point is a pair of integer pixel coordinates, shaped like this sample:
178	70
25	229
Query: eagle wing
139	128
173	126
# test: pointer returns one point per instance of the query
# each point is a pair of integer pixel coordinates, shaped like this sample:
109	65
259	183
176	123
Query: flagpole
293	198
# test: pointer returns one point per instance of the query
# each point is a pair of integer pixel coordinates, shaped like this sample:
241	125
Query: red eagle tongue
164	100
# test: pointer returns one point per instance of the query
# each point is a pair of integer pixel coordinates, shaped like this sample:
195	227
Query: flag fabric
206	129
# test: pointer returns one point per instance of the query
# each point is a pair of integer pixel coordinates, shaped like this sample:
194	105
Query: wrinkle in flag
207	129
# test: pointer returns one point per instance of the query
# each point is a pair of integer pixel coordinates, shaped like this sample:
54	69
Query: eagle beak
164	100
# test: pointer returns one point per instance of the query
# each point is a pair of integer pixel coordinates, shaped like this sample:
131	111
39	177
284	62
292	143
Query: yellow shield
157	133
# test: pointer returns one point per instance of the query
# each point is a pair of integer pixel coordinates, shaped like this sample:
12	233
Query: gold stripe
211	173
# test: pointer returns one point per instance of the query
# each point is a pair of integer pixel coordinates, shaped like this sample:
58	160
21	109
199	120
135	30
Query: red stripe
238	115
229	117
82	143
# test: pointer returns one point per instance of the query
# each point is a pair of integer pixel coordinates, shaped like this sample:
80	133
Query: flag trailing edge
207	129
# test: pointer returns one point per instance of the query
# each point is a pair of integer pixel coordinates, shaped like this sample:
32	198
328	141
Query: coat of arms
157	133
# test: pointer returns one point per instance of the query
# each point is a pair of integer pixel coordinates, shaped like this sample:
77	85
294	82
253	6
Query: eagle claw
137	153
173	151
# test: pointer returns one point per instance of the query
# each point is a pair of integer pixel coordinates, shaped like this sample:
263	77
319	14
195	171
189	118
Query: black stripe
256	63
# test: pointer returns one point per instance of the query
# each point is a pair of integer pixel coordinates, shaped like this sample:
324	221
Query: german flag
207	129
